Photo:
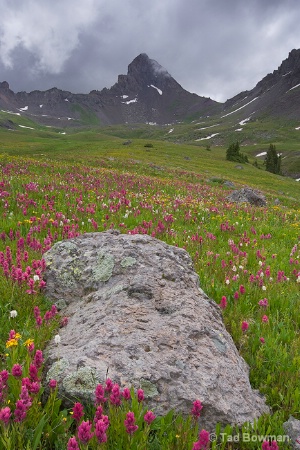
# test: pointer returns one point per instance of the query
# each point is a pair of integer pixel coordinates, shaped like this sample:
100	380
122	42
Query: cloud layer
215	48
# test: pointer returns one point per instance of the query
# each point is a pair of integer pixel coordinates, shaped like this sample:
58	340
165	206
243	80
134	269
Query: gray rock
136	312
248	195
292	429
229	184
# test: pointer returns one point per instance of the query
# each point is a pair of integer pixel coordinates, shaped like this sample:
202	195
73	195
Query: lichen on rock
103	269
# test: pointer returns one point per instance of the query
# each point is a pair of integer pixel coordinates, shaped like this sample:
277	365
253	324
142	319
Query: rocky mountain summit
147	94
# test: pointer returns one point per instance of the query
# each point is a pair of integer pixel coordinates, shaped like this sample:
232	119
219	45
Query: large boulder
137	315
292	429
248	195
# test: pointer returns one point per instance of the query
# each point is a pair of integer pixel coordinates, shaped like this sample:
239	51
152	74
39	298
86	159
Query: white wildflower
57	339
13	314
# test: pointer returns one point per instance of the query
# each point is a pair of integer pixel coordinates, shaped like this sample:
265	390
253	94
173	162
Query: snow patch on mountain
211	126
294	87
242	122
207	137
232	112
131	101
158	90
23	126
10	112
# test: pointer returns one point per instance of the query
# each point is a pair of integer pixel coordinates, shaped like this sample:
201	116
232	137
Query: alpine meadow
65	175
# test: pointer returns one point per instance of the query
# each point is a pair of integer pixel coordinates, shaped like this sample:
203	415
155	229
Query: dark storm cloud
215	48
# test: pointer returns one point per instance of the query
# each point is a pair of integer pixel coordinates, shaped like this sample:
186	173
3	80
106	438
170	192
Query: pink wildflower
39	321
115	397
264	303
140	395
48	316
108	385
33	373
35	387
197	407
5	415
36	312
17	370
126	394
38	359
53	310
4	376
64	321
20	411
52	384
129	423
77	411
100	431
99	394
84	432
262	340
12	334
265	319
149	417
98	413
242	289
203	441
72	444
236	295
245	326
24	397
30	347
270	445
223	302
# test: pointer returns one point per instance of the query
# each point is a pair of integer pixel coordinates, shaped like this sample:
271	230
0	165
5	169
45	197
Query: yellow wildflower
11	343
28	342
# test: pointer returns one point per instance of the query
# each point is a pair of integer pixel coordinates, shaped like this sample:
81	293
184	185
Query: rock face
292	429
248	195
137	315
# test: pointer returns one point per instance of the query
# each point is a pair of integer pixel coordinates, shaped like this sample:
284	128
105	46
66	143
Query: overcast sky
215	48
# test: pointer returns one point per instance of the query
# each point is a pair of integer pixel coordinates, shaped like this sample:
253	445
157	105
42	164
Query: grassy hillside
55	186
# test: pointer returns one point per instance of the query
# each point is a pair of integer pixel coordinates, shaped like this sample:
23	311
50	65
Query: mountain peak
146	70
292	62
142	64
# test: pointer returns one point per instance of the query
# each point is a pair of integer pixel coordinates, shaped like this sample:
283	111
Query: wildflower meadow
248	261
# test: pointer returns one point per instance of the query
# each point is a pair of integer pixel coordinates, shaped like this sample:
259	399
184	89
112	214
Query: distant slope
276	95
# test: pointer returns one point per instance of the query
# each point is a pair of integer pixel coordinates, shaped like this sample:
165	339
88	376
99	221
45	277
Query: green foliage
233	153
273	160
